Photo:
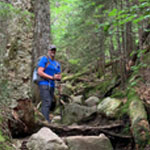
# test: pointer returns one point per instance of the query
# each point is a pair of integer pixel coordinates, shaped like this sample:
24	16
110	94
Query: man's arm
43	74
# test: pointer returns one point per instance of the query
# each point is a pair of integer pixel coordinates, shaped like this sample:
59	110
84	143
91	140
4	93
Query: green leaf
74	61
133	83
138	20
93	3
132	53
144	4
113	12
147	16
2	139
100	6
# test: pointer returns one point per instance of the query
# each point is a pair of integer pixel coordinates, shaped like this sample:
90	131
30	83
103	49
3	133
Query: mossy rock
109	107
73	113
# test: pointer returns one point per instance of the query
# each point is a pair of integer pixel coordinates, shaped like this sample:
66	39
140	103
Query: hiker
49	69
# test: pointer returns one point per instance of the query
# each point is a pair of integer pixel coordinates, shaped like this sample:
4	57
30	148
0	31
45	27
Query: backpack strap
48	62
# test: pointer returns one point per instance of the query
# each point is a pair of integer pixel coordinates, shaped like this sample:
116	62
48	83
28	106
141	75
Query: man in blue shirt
49	69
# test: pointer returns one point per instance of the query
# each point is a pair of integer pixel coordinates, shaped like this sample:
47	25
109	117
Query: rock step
45	139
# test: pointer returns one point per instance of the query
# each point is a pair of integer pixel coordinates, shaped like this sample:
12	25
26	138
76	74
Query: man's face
52	52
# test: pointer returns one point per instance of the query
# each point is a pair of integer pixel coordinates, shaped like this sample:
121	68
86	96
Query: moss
117	93
74	76
141	136
126	130
5	143
131	94
101	88
12	53
13	50
2	139
138	117
4	146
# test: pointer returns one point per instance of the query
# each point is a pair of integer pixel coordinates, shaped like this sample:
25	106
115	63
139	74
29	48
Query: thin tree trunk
101	60
128	38
122	66
112	56
121	54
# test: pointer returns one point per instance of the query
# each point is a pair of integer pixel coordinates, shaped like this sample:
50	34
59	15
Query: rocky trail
93	127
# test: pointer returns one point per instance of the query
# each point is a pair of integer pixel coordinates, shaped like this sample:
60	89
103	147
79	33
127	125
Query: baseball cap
52	47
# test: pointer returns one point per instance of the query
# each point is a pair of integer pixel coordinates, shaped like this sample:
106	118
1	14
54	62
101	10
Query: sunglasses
53	49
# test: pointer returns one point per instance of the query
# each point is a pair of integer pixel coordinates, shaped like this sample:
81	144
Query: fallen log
87	130
139	123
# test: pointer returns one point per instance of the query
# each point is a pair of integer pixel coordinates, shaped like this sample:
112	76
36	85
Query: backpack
36	77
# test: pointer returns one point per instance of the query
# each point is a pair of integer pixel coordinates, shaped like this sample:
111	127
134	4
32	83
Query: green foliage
135	78
117	93
2	139
79	26
135	13
126	129
7	11
74	61
5	142
74	29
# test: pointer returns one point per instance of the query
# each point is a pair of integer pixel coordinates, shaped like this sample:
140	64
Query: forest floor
120	136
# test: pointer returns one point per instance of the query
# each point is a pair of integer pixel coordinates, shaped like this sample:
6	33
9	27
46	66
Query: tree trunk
112	56
122	61
128	38
101	61
41	37
41	28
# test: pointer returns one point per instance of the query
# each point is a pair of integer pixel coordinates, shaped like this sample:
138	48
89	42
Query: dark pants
47	95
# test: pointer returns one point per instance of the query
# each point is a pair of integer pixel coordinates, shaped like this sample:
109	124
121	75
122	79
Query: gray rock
92	101
56	119
45	139
88	143
77	99
74	113
109	107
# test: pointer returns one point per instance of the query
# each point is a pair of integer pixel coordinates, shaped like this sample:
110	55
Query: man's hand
57	77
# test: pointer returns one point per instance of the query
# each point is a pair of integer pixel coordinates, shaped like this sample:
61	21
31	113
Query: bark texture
41	28
41	36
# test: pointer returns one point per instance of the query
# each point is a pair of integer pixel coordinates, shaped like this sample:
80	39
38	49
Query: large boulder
77	99
73	113
92	101
109	107
88	143
45	139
